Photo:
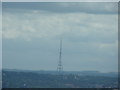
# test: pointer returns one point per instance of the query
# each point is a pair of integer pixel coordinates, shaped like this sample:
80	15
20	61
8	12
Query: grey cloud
64	7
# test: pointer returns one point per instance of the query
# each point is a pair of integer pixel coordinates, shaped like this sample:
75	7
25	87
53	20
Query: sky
32	33
60	0
0	35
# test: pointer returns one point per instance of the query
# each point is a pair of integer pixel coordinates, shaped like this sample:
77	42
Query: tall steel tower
60	67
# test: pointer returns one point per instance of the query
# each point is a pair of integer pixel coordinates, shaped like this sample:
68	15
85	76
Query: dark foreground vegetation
19	79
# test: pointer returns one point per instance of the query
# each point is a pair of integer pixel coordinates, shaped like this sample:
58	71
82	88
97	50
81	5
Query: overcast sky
0	35
32	32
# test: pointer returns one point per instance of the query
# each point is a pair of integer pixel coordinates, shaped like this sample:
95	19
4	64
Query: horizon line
63	71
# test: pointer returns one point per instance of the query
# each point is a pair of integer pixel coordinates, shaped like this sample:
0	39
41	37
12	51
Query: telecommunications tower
60	67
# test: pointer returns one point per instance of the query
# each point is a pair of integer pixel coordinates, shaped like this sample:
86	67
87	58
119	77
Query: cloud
99	31
79	26
64	7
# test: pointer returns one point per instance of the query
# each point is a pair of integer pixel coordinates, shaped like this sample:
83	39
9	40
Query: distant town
53	79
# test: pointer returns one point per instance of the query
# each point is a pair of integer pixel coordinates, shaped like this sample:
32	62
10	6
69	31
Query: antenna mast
60	67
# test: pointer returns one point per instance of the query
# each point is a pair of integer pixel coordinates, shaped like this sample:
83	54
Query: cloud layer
65	7
44	25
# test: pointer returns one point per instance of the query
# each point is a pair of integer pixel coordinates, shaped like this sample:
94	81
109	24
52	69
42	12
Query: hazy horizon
62	71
